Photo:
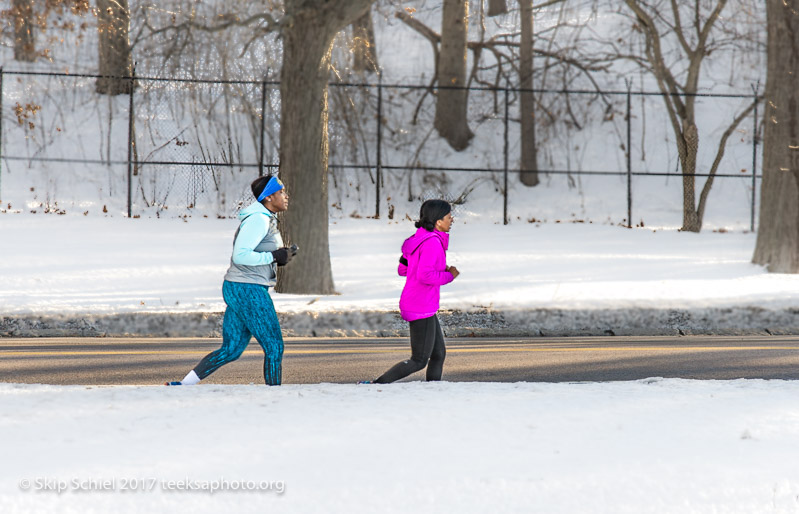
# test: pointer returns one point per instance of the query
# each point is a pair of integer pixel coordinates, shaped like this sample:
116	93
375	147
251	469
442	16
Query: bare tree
308	31
695	41
529	160
778	229
113	26
364	49
22	16
451	106
205	41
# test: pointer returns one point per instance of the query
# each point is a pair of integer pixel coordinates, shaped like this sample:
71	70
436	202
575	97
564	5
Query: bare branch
709	24
547	4
665	80
678	28
720	154
419	27
231	20
427	91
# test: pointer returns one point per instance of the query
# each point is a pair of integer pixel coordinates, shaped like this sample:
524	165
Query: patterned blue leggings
250	312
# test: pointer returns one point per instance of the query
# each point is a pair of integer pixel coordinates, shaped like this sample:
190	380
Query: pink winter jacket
426	272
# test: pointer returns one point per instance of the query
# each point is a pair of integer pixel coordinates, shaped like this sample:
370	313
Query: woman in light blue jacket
257	251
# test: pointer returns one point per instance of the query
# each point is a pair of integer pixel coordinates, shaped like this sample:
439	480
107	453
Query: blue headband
273	186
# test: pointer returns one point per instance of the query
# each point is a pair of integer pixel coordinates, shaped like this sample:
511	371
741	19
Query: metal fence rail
135	162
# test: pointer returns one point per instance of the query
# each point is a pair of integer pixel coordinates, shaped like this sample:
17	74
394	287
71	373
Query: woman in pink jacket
424	264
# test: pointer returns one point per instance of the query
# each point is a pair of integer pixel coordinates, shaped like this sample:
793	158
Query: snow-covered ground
89	265
650	446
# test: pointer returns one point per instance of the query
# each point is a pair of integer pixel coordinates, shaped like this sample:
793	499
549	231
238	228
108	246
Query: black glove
284	255
403	260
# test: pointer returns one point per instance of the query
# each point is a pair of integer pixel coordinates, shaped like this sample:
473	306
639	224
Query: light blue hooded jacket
257	236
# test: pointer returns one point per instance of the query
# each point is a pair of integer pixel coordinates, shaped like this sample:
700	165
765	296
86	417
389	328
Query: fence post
505	161
1	133
379	140
629	158
131	142
754	157
263	121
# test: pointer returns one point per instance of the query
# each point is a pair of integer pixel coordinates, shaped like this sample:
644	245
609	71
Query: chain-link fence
191	144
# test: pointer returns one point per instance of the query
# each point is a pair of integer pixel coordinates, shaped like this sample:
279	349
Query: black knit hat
432	211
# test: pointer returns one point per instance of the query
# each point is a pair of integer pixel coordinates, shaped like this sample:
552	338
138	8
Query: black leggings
427	349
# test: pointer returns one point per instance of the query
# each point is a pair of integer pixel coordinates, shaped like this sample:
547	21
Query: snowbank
657	445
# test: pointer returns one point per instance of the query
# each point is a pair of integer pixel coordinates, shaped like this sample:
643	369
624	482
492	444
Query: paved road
150	361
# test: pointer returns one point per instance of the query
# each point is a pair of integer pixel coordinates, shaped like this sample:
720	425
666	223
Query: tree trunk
690	217
364	49
24	35
777	244
307	44
497	7
529	159
113	26
451	122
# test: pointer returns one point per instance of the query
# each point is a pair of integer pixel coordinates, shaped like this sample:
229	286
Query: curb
474	323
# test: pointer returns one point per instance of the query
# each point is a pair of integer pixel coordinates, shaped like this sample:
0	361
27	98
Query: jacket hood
253	208
412	243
